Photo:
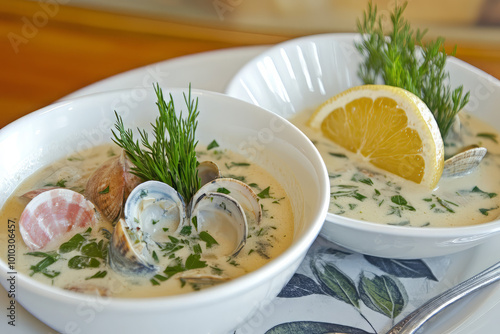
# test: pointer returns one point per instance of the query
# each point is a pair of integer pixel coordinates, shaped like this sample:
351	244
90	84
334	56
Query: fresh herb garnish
192	262
357	177
93	250
186	231
264	193
197	249
171	158
483	193
237	177
485	211
338	155
81	262
236	164
72	244
99	274
61	183
41	267
397	61
155	256
439	205
223	190
400	204
212	145
347	191
105	191
210	241
490	136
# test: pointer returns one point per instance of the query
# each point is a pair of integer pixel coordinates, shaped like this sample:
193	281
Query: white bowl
302	73
58	130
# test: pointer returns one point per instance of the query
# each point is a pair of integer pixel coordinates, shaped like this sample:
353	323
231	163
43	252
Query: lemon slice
387	126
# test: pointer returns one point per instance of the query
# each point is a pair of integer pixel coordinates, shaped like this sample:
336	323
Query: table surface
49	52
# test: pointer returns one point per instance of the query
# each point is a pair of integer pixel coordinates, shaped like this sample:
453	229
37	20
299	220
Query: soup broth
180	271
361	191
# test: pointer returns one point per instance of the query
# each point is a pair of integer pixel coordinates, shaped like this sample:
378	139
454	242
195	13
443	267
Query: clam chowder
159	244
359	190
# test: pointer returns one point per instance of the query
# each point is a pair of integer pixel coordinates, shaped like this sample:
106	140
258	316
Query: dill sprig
398	61
171	158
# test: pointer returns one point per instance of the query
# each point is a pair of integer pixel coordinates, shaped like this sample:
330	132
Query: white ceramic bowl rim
209	295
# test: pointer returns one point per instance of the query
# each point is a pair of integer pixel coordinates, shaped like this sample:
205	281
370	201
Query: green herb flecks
104	191
223	190
72	244
192	262
208	239
99	274
42	266
81	262
483	193
338	155
212	145
61	184
486	211
265	193
490	136
237	177
357	177
396	60
400	205
236	164
401	223
439	205
347	191
186	231
171	157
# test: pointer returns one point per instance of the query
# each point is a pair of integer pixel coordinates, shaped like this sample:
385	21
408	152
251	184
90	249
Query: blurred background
50	48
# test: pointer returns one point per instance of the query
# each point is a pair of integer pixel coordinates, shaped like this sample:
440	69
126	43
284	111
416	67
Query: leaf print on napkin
402	268
300	285
383	294
313	327
335	283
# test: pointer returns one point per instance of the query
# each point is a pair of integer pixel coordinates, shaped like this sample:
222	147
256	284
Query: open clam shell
236	189
225	220
154	212
464	163
208	171
128	251
156	208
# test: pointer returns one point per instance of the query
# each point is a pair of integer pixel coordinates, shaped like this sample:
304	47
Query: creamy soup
363	192
186	262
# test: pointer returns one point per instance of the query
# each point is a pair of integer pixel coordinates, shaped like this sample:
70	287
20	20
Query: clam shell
464	163
155	208
110	185
51	216
208	171
240	191
224	219
128	256
202	278
106	186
